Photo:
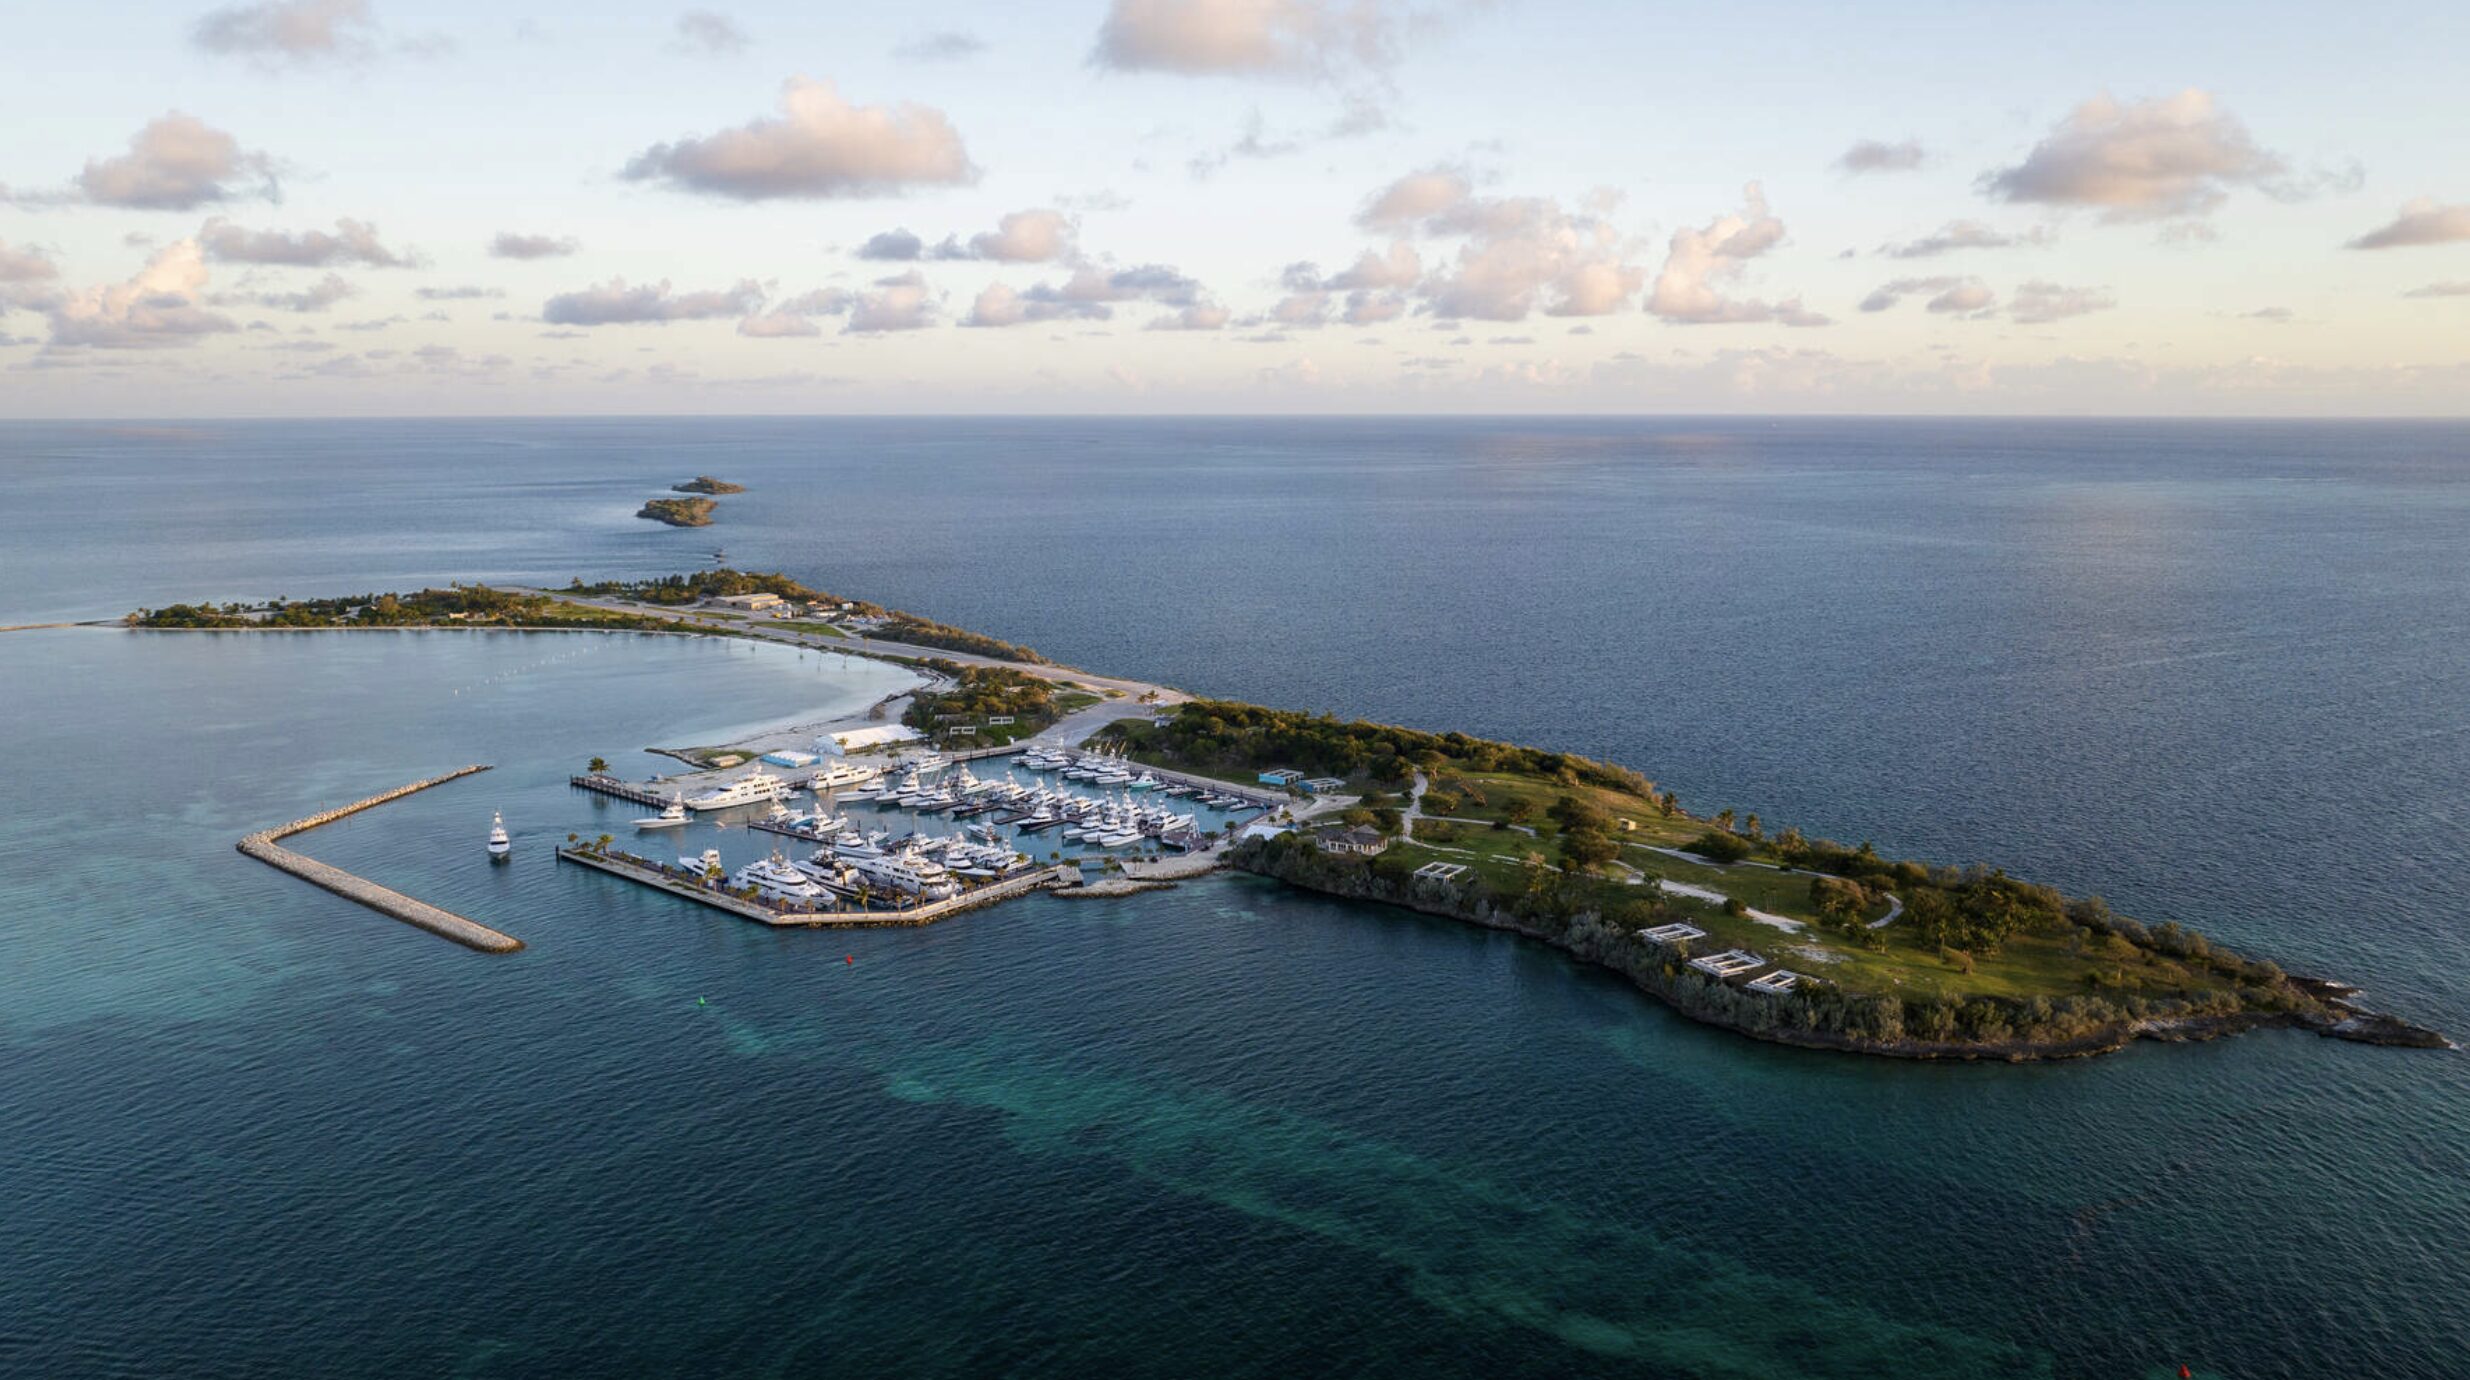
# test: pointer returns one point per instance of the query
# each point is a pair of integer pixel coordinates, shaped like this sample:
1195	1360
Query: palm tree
603	842
598	766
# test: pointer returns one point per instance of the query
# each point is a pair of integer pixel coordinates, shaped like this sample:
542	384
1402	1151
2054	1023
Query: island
679	512
1726	917
706	484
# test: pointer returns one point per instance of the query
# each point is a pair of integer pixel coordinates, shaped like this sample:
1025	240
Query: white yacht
775	879
746	790
499	845
841	776
703	867
671	815
826	869
908	871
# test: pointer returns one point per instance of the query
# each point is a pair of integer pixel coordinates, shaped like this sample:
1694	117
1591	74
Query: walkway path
1895	903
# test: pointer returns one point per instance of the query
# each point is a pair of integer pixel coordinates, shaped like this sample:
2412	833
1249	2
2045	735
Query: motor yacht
757	785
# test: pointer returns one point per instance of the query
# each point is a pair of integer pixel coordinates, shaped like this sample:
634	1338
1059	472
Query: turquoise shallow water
1229	1128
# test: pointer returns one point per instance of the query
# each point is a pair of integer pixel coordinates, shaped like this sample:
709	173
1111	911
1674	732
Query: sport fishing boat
707	866
670	817
499	845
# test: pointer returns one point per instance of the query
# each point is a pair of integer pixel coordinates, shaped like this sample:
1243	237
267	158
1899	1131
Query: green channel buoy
699	1001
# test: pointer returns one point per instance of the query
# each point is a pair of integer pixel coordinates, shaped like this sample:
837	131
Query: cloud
947	45
157	308
820	146
1023	237
465	293
28	278
2276	315
1026	237
1949	294
317	297
300	33
2455	288
1872	155
1361	116
1415	197
2172	156
899	303
2038	303
1961	234
1088	295
1699	262
296	31
352	242
892	246
510	245
707	33
2423	221
1520	254
176	163
614	303
1250	37
1200	316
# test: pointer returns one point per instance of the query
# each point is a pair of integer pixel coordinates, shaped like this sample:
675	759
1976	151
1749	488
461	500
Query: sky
371	208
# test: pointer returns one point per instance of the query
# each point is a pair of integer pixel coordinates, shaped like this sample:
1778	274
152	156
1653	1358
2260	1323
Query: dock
651	874
623	790
470	933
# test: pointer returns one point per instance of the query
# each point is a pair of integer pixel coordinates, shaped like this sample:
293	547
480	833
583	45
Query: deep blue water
2216	672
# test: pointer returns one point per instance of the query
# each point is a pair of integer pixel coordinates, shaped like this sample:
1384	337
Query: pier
262	846
623	790
653	875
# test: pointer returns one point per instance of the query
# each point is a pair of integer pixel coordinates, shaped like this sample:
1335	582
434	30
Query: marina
709	892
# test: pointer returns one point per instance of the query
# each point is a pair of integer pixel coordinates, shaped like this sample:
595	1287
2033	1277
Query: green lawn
819	629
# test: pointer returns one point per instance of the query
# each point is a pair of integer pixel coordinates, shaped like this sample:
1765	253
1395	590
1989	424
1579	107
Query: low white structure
789	757
1781	980
858	739
1730	963
752	603
1441	871
1673	934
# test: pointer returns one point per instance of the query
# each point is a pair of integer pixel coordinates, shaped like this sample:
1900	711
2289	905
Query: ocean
2216	672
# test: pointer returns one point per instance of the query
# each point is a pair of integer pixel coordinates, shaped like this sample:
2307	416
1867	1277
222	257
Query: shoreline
2182	1019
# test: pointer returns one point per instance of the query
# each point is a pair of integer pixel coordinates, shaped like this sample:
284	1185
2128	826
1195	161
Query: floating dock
384	900
652	875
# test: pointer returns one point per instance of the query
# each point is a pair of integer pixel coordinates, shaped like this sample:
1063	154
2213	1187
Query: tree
1587	849
1723	819
598	766
1752	827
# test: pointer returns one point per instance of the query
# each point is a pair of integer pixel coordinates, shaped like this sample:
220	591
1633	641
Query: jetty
262	846
661	877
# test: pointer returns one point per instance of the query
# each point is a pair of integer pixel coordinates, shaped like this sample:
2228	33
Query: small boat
499	844
671	816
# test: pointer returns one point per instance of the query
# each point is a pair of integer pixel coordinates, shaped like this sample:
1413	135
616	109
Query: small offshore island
1726	918
706	484
679	512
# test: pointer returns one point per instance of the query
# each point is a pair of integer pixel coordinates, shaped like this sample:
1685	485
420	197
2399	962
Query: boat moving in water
499	844
671	815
